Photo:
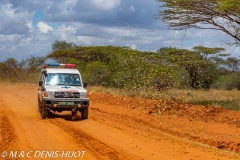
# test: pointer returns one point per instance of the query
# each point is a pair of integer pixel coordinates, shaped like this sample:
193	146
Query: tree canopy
198	63
122	67
59	45
222	15
168	67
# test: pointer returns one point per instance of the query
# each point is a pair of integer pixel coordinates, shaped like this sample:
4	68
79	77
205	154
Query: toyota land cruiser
61	89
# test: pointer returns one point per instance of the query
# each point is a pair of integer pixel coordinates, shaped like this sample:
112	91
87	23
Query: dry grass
197	95
220	98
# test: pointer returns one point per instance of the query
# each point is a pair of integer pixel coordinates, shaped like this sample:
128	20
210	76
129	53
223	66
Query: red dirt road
118	128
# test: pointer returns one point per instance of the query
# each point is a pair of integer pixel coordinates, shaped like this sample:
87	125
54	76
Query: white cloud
64	29
30	26
71	3
65	32
132	8
106	4
120	32
132	46
12	20
25	41
93	22
10	38
44	27
86	40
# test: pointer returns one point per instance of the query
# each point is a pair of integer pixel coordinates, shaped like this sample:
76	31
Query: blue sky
29	28
38	17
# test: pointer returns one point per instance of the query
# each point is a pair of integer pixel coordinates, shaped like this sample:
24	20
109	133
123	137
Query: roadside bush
97	73
232	82
135	72
228	82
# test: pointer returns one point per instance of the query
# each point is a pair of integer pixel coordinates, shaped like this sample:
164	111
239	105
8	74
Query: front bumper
56	103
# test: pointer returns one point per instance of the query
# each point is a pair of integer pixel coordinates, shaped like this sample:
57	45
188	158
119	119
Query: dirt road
118	128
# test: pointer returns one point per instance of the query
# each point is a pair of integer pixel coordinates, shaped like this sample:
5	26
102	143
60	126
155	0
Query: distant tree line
21	71
122	67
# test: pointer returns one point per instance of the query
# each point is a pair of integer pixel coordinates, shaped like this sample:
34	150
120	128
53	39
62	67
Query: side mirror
84	84
40	83
45	72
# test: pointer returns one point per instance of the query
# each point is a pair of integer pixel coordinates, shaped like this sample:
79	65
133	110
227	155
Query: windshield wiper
75	85
61	84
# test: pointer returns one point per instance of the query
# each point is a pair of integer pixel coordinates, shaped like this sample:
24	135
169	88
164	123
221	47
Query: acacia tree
199	63
232	63
60	45
208	53
11	68
223	15
34	63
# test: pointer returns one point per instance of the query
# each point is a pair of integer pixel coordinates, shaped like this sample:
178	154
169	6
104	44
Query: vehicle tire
84	113
44	113
39	106
74	113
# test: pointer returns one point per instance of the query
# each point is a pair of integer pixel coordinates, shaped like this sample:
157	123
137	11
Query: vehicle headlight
83	95
48	94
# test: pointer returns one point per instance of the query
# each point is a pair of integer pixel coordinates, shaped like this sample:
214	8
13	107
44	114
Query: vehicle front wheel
39	106
84	113
44	113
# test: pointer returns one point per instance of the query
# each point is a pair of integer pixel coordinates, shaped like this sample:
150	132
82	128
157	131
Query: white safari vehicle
61	89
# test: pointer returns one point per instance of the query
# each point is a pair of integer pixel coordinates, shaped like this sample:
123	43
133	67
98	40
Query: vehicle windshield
63	79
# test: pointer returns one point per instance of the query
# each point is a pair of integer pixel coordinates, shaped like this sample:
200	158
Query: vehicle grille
67	95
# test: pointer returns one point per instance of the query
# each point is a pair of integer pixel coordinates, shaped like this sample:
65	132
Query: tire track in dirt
99	148
8	136
139	123
111	132
137	143
31	134
202	124
152	132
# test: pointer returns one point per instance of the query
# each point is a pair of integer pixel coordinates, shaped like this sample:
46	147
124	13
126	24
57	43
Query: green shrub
97	73
228	82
